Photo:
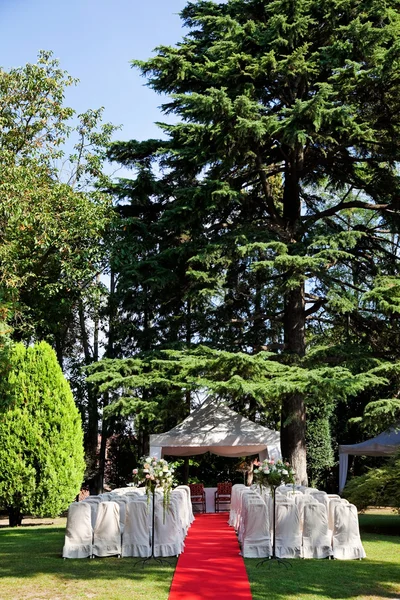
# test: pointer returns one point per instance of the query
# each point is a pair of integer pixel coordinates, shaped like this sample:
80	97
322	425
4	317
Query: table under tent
386	443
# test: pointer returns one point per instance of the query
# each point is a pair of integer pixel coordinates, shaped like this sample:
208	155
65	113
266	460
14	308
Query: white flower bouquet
155	473
273	473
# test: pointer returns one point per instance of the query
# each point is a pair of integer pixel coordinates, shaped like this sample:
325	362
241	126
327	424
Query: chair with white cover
235	503
287	530
93	502
106	496
316	536
79	532
301	502
240	494
168	533
321	497
256	539
346	541
247	497
186	488
333	503
178	496
122	503
136	534
107	531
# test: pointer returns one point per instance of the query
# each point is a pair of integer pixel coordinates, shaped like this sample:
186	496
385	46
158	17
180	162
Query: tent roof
387	442
216	428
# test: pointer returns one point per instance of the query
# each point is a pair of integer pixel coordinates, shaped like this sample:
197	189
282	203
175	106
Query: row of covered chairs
308	524
121	525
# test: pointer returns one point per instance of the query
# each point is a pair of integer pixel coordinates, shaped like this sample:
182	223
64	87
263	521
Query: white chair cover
93	502
168	532
316	537
256	540
136	534
333	503
321	497
247	497
287	530
79	533
186	488
107	531
122	502
106	496
241	492
301	502
235	503
346	541
180	498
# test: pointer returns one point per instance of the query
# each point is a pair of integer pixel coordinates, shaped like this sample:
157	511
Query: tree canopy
267	217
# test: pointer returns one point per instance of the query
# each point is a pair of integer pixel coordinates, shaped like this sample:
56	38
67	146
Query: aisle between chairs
210	568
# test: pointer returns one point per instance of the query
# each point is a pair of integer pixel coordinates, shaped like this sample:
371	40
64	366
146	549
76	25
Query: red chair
223	496
198	496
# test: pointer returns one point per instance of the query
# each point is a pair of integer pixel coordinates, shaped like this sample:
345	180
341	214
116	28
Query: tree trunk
14	516
293	417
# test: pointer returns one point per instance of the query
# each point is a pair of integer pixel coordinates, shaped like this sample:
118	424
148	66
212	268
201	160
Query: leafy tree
41	450
281	168
53	220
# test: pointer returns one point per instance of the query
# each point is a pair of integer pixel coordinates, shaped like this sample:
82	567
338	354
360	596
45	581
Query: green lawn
31	568
375	578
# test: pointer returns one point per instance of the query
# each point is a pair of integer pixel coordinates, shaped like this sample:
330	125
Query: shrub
41	439
378	487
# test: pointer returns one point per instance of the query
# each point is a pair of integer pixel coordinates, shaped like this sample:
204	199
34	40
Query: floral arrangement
155	473
272	473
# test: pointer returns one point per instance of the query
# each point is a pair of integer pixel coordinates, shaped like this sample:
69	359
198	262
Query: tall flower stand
285	562
159	559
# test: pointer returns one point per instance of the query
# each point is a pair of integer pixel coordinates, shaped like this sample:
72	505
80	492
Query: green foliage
268	217
41	451
378	487
52	217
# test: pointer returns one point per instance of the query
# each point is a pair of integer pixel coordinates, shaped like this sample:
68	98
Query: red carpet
210	568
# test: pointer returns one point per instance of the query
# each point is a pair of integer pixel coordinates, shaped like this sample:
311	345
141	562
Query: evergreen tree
41	449
288	124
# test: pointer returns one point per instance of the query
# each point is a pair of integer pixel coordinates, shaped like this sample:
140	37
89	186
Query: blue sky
94	41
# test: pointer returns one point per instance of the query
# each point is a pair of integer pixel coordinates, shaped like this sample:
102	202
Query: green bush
41	438
378	487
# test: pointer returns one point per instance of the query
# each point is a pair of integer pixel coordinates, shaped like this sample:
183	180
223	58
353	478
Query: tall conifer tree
287	124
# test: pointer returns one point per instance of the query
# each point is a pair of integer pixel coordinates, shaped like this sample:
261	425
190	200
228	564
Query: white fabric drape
256	539
343	466
79	532
346	541
287	528
107	531
316	537
189	506
136	534
93	502
235	503
168	529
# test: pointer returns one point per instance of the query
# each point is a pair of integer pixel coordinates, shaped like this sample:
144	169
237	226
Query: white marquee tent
384	444
214	427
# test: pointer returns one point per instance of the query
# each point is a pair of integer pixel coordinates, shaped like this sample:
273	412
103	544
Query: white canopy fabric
384	444
215	428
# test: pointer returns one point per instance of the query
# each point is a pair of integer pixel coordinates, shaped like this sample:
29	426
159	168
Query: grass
375	578
31	568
